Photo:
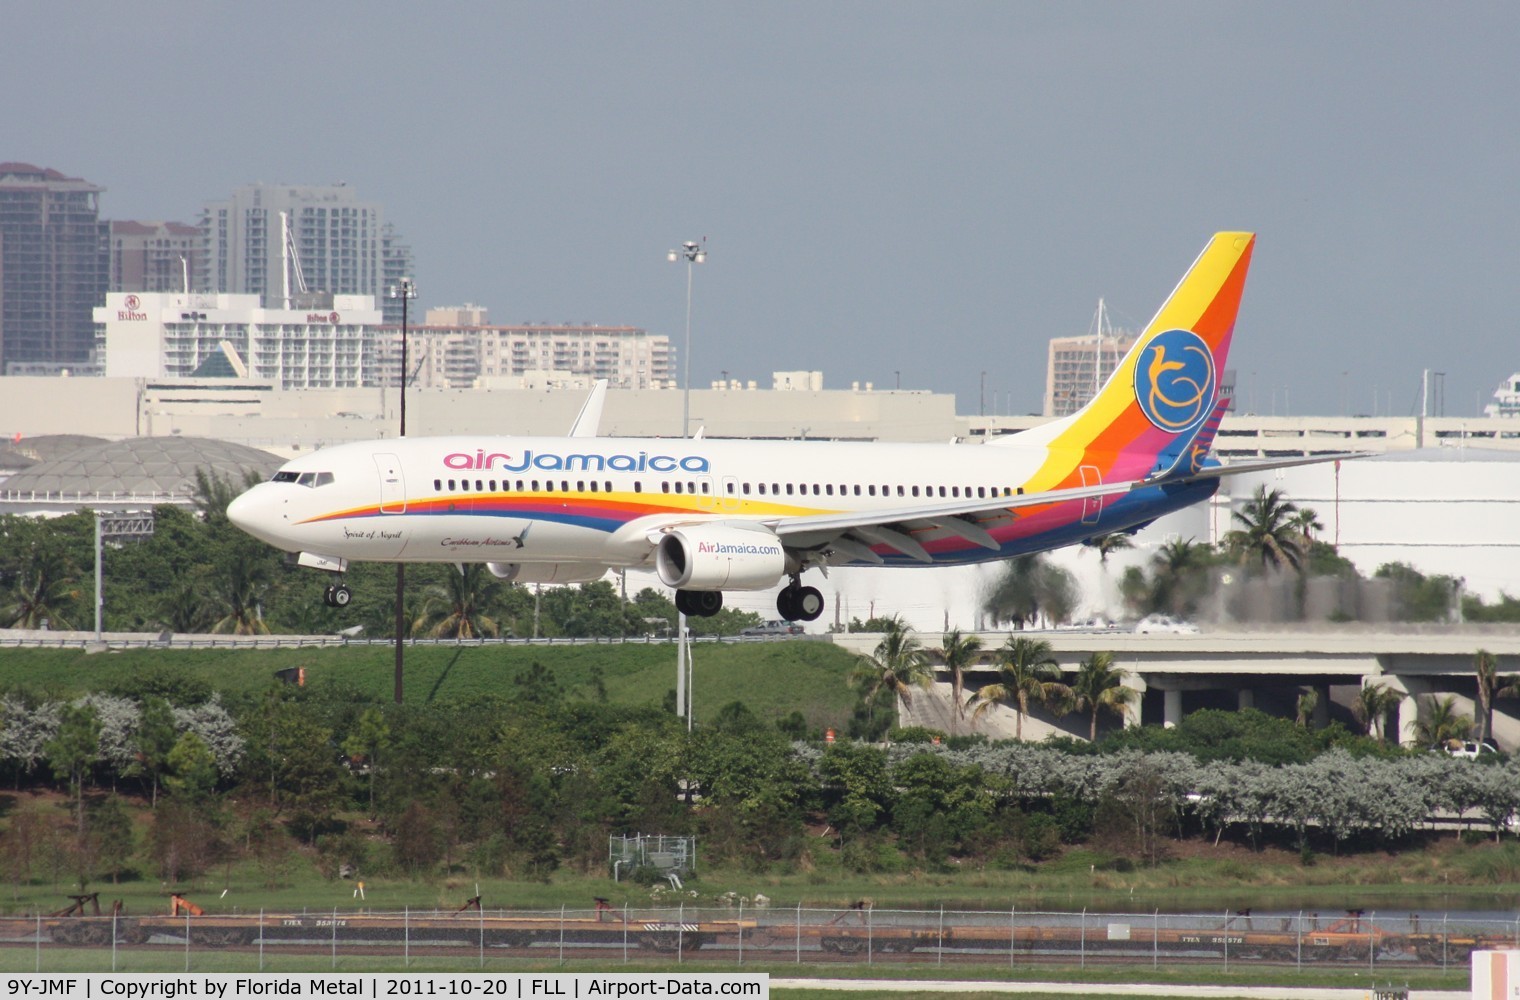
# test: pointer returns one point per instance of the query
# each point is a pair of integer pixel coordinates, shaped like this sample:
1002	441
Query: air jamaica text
482	460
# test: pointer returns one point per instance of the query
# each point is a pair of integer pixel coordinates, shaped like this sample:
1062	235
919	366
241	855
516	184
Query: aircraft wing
854	533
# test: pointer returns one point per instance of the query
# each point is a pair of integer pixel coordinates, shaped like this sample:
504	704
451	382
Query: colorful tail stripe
1161	397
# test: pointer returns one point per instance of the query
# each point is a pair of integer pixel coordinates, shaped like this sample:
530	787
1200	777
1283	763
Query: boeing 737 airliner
709	516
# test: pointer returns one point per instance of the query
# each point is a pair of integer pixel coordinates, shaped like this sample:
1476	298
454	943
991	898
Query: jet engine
720	557
573	572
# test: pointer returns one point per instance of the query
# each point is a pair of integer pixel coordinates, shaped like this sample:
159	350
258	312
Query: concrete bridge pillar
1322	706
1171	707
1408	713
1245	698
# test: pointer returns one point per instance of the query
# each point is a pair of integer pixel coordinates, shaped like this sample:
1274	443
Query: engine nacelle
720	557
574	572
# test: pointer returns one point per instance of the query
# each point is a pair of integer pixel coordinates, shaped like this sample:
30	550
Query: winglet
588	423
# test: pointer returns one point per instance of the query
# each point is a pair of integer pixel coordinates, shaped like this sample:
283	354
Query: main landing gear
337	595
699	603
797	603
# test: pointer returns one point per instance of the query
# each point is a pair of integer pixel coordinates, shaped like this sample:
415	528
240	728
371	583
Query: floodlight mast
693	253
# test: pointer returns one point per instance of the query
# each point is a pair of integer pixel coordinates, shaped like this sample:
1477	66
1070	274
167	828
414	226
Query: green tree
73	751
153	741
191	775
1099	685
958	653
1308	701
364	746
1027	669
1371	708
38	574
1177	578
898	665
1271	532
1107	544
111	829
1490	688
1029	587
1418	598
457	609
1443	723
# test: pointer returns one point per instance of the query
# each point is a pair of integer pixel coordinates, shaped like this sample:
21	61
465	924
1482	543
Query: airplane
709	516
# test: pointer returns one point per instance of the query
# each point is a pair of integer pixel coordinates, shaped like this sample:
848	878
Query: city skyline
931	190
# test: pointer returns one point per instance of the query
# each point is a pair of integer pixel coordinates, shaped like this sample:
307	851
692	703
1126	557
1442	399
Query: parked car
1469	749
1166	623
773	628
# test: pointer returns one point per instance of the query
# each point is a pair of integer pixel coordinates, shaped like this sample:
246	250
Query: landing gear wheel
786	604
796	603
327	595
341	596
699	603
809	602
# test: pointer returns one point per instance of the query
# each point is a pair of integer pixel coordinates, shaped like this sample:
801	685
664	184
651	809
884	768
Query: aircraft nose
243	512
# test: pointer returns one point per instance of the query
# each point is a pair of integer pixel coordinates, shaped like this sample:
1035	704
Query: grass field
772	678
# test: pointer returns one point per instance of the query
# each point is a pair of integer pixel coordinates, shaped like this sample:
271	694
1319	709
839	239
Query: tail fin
1146	420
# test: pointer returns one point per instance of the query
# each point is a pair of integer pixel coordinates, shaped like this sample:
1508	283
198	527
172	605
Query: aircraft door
1092	506
706	500
392	484
729	495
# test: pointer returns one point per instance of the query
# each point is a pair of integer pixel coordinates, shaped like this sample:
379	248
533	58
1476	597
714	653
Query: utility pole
405	291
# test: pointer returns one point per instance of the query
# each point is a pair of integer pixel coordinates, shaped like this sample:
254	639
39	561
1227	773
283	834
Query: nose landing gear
337	595
799	603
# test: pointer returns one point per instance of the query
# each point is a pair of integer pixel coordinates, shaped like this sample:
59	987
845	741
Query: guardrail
32	639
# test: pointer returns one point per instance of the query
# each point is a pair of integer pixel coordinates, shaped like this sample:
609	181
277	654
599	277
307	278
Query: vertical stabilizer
1164	394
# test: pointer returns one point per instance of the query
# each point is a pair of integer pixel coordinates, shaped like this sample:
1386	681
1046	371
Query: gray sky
930	188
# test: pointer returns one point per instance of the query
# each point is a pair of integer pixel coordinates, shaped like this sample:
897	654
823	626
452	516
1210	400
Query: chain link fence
1382	944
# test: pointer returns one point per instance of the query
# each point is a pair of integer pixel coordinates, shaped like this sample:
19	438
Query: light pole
122	524
694	253
405	290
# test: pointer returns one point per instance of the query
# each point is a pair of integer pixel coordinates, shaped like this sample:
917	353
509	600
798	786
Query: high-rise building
1078	366
151	256
462	356
338	245
53	269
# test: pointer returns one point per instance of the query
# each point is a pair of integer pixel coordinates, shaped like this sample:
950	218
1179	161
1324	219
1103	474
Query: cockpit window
308	479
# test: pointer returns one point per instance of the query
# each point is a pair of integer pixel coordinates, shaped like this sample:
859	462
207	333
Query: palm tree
898	664
1307	703
1306	522
1174	566
1270	531
1486	667
1443	724
456	609
1107	545
958	653
1027	669
239	593
1030	585
39	594
1371	708
1099	685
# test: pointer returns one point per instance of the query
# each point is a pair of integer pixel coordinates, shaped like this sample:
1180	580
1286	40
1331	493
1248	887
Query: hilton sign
132	309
